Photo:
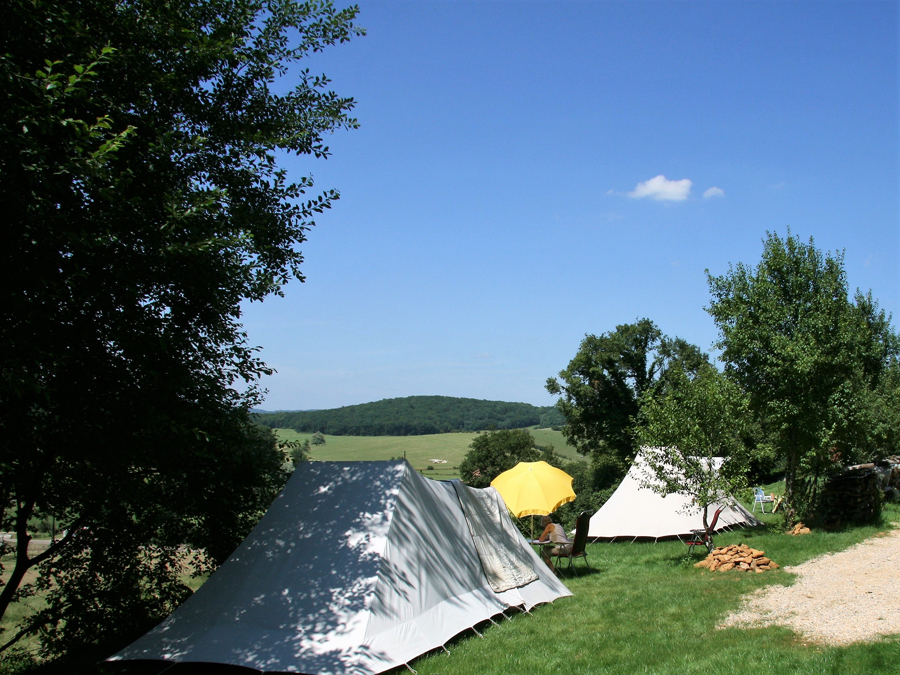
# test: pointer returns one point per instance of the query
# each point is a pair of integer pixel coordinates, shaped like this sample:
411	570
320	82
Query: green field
545	437
418	450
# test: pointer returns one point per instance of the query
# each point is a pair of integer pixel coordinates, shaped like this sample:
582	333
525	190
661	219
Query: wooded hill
413	416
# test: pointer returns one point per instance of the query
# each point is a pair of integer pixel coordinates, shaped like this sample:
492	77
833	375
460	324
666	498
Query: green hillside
414	416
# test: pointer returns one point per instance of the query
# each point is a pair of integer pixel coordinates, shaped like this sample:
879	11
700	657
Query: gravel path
840	598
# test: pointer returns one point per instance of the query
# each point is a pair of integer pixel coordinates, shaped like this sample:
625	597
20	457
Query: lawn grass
645	610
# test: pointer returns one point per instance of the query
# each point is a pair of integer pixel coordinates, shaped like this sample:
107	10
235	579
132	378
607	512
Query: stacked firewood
738	557
799	528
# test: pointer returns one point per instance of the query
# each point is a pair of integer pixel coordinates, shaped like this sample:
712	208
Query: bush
17	660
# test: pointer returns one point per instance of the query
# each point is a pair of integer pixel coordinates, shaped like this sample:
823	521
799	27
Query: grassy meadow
418	450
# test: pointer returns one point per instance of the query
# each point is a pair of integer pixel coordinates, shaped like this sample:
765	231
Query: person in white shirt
555	533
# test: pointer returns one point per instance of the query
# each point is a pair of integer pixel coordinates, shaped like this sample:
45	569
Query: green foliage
602	387
885	413
495	451
298	451
683	430
139	181
808	357
318	438
17	660
552	418
587	496
411	416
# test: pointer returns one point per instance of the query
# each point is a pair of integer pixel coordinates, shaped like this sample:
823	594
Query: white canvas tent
357	567
634	511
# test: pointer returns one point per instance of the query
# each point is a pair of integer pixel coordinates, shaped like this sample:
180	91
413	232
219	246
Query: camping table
546	544
541	544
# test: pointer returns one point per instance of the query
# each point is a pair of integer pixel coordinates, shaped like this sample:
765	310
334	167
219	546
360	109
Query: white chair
760	497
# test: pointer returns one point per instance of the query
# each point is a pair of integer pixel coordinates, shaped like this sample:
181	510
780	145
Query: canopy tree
495	451
684	431
810	358
143	204
602	387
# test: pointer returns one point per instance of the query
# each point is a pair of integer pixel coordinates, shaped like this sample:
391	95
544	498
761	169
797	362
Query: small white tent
634	511
357	567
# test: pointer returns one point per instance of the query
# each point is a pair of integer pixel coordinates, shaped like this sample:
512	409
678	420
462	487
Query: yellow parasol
534	488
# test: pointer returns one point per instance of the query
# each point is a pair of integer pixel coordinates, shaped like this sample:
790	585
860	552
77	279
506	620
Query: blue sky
504	195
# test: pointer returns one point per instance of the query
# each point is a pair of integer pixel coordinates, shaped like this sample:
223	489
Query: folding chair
579	546
760	497
702	538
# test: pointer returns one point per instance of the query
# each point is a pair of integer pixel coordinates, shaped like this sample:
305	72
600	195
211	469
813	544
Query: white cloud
713	192
661	189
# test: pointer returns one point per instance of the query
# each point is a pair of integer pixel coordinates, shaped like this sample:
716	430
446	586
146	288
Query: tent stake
414	672
477	633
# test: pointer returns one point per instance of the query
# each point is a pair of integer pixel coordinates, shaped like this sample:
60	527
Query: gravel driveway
839	598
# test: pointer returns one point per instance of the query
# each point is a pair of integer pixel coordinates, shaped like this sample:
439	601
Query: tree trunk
23	563
790	478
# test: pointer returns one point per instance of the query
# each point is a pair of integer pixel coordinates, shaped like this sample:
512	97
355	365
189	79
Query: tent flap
504	559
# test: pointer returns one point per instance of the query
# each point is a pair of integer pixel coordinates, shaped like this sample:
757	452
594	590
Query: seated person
554	532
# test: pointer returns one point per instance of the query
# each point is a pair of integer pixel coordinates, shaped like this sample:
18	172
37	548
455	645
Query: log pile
889	471
738	557
852	496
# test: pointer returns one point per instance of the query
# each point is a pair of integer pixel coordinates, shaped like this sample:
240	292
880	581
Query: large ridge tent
357	567
634	511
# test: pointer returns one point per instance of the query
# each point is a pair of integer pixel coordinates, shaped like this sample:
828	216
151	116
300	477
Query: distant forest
414	416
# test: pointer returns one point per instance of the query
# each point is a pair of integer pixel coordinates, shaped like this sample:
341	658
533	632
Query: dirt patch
837	599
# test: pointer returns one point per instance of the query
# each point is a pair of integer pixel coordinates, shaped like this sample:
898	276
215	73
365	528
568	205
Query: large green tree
495	451
810	357
602	387
143	204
